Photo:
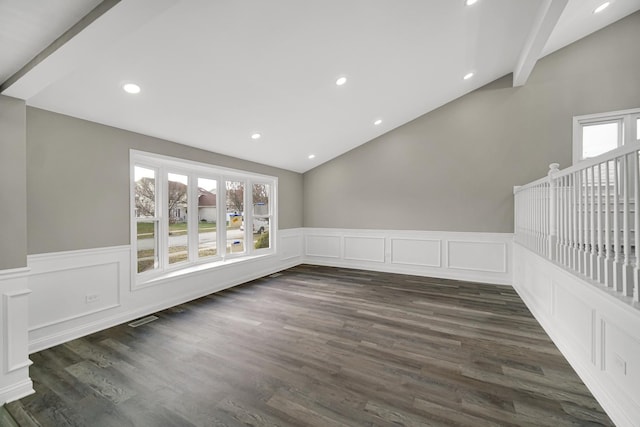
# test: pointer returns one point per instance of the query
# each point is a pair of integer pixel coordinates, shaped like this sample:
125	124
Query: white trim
14	273
16	391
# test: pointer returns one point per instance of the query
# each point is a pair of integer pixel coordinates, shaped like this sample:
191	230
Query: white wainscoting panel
370	249
479	257
416	252
88	289
577	319
14	320
621	358
324	246
290	244
597	331
79	292
15	305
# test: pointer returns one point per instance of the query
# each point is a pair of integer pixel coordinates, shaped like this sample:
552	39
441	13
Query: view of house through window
177	205
179	218
207	217
235	210
261	217
146	220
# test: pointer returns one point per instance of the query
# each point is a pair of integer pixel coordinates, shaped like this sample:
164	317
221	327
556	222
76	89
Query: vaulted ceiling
215	73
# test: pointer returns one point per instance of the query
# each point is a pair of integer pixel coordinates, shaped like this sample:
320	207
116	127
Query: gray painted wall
78	181
454	169
13	183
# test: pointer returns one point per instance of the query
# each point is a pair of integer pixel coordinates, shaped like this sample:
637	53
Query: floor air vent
143	321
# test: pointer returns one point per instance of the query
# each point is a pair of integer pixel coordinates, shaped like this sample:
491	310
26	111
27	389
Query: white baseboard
597	333
16	391
477	257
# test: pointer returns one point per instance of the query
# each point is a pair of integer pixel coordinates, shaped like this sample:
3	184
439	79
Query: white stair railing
585	218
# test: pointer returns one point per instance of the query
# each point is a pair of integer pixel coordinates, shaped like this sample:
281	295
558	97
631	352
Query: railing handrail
585	164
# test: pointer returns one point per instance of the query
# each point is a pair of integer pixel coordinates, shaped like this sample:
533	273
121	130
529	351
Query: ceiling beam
96	13
89	38
546	21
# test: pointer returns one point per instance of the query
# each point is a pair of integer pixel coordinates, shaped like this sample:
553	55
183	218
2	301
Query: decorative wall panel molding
480	257
416	252
323	246
477	256
358	248
595	329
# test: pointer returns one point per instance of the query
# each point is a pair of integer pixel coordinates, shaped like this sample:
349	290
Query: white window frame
162	165
628	128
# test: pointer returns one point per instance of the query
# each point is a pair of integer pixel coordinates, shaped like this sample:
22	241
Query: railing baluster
574	220
600	269
617	255
563	217
636	225
593	261
627	278
560	223
580	255
608	262
553	237
585	204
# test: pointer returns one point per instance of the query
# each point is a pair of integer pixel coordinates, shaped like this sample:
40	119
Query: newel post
553	226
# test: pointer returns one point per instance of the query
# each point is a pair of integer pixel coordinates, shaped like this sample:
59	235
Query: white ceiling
214	72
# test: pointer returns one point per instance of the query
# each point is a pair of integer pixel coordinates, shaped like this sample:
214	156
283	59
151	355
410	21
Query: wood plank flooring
318	346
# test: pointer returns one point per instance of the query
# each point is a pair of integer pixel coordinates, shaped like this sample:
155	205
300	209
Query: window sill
141	283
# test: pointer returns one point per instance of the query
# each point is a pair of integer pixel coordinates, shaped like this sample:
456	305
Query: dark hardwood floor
322	347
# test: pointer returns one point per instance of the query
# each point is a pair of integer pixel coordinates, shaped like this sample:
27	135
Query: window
235	208
261	216
180	219
596	134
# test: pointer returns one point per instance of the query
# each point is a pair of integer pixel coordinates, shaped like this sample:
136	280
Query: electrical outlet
92	298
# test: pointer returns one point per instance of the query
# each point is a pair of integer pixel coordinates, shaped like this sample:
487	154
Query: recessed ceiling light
470	2
312	156
377	122
256	136
342	80
602	7
468	76
131	88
